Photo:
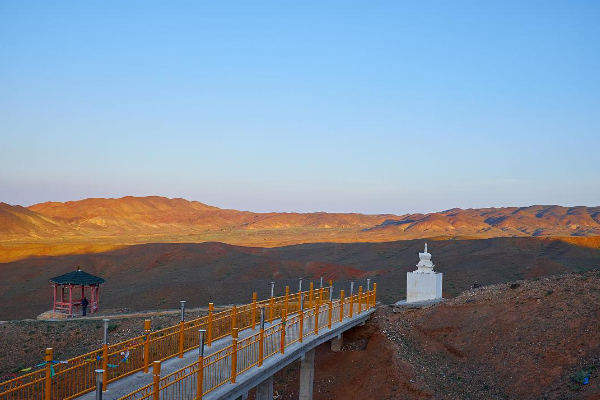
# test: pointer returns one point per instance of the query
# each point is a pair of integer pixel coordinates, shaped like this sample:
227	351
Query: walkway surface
246	380
256	375
135	381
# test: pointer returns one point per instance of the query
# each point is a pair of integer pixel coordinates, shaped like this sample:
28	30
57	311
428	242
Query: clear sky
368	106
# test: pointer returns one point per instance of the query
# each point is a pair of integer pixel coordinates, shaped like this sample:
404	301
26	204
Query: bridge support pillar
336	343
307	375
264	390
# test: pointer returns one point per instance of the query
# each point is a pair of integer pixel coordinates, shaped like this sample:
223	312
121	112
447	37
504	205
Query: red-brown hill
135	213
94	225
148	215
20	222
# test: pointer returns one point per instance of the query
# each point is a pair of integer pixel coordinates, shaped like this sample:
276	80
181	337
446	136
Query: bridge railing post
301	324
360	299
283	323
48	378
182	329
147	327
156	380
310	295
254	310
272	308
105	355
374	294
341	305
261	337
330	316
287	298
233	318
200	381
351	304
234	340
209	335
316	319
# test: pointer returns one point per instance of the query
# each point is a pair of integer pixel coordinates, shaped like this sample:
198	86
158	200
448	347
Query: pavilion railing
70	379
225	365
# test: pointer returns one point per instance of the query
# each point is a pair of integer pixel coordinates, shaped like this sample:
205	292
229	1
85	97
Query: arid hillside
157	276
522	340
96	225
525	340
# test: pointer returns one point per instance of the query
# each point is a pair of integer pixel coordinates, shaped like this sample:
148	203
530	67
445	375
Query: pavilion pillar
91	300
97	297
54	304
70	300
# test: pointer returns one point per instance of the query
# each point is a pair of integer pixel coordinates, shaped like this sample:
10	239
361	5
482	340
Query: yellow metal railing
226	364
65	381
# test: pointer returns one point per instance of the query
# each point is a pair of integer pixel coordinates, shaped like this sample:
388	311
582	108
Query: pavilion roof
77	277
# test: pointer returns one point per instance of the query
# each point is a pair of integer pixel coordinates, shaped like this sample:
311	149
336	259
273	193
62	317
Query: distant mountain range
97	224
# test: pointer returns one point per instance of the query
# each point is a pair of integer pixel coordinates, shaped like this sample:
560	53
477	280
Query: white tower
424	283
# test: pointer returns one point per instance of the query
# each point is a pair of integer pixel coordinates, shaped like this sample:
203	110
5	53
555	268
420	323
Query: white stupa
423	284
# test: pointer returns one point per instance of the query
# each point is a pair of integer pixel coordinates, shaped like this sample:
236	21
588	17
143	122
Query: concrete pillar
336	344
307	375
264	390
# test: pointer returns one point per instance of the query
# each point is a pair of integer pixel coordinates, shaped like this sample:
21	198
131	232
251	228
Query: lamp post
99	373
182	303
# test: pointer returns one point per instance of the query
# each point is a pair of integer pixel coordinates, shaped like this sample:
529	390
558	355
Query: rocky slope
531	339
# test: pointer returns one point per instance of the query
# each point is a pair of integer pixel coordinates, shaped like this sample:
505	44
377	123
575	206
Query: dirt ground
528	339
524	340
156	276
23	343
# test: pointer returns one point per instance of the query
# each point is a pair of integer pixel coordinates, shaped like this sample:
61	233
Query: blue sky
366	106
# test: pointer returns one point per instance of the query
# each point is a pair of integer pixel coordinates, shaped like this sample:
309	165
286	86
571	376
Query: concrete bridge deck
126	385
255	376
262	377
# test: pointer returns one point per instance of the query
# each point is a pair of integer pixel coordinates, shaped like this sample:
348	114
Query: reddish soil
157	276
22	343
528	342
529	339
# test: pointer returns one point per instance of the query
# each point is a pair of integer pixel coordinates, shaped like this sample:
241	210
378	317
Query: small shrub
549	292
581	375
20	367
112	327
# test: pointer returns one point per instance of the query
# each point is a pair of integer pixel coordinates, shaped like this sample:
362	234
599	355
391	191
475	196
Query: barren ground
529	342
528	339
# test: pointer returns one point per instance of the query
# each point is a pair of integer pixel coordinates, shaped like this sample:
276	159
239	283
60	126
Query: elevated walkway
253	357
256	376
